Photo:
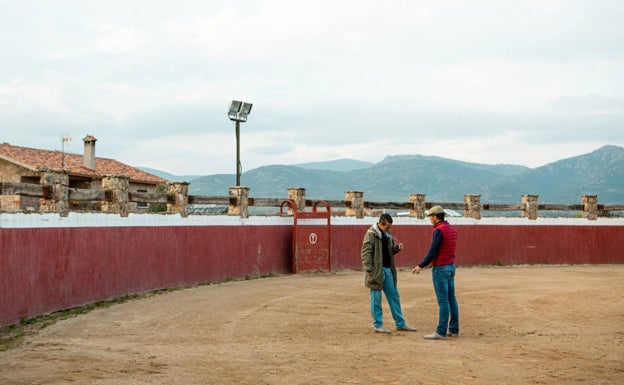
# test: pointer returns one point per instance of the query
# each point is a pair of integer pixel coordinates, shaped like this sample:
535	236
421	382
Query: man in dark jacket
441	255
378	249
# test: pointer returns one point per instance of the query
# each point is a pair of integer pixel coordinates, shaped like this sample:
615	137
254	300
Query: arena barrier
50	263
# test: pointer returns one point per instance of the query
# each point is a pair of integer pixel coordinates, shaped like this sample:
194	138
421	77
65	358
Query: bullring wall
49	263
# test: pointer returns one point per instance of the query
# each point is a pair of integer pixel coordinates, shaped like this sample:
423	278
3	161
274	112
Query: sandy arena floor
519	325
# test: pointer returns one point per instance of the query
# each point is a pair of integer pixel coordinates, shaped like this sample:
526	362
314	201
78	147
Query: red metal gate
311	248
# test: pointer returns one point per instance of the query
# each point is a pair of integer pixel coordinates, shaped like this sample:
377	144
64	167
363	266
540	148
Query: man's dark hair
385	218
440	216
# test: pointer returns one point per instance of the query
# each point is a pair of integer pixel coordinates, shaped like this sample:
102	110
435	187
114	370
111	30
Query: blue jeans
444	286
394	301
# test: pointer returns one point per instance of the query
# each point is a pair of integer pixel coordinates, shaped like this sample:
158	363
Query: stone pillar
590	207
118	186
418	200
357	204
529	206
473	206
179	204
58	201
297	195
239	201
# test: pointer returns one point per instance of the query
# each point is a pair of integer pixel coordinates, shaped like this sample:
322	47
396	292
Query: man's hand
400	246
416	270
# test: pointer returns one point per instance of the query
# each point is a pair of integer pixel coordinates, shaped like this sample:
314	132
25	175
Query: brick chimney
89	151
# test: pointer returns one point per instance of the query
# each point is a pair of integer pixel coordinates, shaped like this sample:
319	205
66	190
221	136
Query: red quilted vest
446	256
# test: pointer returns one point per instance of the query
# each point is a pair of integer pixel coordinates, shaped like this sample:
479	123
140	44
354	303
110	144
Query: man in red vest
441	255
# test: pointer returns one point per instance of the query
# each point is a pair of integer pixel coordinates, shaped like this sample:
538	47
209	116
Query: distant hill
168	176
599	172
336	165
502	169
274	181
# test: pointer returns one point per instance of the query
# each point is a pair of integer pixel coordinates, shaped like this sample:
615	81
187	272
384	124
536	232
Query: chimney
89	151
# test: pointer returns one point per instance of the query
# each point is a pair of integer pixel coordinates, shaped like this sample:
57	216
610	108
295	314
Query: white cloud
588	104
484	80
23	93
115	40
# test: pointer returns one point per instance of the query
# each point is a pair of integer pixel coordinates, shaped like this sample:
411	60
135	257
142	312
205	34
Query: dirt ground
519	325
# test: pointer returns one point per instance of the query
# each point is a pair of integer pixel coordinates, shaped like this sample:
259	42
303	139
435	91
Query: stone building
86	171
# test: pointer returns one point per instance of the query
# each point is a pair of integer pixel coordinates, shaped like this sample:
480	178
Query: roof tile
37	160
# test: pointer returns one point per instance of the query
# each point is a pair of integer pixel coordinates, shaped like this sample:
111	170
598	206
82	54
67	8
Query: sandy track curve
519	325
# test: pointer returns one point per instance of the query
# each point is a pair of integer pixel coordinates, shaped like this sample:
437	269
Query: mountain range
600	172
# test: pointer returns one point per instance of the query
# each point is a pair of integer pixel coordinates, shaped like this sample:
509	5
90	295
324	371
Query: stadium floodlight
235	106
245	110
238	112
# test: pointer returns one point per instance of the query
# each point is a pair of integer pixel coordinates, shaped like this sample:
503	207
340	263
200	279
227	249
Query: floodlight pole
238	164
238	113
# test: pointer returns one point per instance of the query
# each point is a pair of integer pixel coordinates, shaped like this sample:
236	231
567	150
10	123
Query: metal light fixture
238	112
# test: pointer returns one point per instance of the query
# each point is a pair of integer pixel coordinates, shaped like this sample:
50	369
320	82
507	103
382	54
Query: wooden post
357	203
119	186
239	201
473	206
590	207
418	201
179	191
529	206
297	195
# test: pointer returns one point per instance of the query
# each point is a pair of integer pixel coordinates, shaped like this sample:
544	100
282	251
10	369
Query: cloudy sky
521	82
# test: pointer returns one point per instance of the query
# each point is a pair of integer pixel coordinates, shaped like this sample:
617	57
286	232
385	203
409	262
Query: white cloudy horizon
525	83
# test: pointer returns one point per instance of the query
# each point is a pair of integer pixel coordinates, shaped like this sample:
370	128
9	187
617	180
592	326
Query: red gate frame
314	214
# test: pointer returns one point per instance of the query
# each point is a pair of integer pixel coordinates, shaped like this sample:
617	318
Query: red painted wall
492	244
48	269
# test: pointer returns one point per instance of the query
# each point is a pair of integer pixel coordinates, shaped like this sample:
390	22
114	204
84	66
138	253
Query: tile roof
37	160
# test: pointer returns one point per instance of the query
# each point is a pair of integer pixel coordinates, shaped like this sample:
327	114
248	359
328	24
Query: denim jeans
444	286
394	301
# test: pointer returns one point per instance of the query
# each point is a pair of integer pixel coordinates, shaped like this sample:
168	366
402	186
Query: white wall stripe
52	220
